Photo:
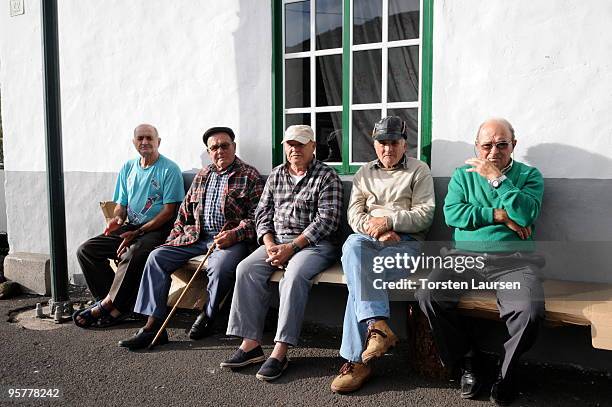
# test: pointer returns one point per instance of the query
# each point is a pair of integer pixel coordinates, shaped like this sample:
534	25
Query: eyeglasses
222	146
502	145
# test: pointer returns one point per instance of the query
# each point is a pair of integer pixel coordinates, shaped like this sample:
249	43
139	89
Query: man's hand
279	254
484	168
128	238
501	216
113	224
376	226
225	239
389	236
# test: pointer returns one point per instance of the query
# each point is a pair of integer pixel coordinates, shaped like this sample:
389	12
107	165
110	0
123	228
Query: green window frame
424	94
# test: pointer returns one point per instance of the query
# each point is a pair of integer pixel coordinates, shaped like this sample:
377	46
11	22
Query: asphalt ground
89	369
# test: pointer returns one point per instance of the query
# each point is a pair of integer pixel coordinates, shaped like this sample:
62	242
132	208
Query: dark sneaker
202	327
143	339
241	358
470	385
272	369
504	391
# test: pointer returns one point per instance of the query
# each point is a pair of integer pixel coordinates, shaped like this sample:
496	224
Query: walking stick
195	274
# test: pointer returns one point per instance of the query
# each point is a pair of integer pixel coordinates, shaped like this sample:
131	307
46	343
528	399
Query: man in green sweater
492	204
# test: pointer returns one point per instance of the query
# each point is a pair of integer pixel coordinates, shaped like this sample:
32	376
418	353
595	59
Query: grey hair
147	125
497	120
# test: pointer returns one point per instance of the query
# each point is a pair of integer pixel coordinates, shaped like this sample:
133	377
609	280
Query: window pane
367	21
367	77
362	144
329	80
297	118
328	24
411	117
403	19
403	79
297	27
297	82
329	136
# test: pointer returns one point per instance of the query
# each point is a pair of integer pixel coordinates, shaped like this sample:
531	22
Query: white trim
293	1
403	105
405	43
320	109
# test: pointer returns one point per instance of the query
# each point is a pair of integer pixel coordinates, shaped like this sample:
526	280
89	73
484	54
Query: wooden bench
567	302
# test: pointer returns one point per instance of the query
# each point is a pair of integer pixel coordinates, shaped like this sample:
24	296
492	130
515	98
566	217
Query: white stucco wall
545	65
183	66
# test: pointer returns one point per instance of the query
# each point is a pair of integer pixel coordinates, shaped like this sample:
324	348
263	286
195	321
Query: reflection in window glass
329	136
363	146
329	80
328	24
297	83
367	21
403	78
297	27
411	117
297	118
367	76
403	19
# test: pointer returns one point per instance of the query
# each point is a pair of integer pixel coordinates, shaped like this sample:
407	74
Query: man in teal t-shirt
148	191
492	204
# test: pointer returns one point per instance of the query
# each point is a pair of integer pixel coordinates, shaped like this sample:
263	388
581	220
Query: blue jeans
163	261
359	309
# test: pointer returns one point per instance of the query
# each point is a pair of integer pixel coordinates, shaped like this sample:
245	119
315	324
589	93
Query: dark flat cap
389	128
215	130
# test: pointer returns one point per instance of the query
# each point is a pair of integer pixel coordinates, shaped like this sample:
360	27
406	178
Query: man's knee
352	243
529	312
84	250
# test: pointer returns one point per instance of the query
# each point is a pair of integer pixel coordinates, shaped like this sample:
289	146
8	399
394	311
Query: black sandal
86	314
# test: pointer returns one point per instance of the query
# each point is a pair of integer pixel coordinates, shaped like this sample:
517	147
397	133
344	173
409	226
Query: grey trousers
521	309
252	292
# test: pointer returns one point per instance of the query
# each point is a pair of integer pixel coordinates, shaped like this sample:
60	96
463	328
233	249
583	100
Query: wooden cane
195	274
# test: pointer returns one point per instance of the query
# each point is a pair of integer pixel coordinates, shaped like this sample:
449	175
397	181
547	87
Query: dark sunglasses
222	146
502	145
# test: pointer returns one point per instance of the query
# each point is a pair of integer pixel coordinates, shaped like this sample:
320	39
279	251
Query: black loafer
142	339
272	369
470	385
503	391
202	327
241	358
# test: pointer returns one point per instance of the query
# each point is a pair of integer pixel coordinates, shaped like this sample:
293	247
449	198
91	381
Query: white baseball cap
299	132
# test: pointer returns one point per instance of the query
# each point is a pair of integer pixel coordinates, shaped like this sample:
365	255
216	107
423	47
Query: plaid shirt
311	207
212	216
243	190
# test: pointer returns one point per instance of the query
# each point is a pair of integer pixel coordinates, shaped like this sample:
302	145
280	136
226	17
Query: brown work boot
380	339
352	376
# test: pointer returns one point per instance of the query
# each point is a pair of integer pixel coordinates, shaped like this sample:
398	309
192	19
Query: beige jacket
404	195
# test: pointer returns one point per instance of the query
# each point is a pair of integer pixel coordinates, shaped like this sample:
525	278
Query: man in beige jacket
392	200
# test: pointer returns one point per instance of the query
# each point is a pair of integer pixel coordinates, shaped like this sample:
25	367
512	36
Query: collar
403	163
229	169
507	167
312	164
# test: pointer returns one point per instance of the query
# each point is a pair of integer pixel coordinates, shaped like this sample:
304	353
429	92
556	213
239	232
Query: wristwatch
496	182
295	247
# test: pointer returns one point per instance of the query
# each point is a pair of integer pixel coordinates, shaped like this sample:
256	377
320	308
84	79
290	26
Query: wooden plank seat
567	302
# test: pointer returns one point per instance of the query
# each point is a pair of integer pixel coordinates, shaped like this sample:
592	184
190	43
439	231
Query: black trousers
122	286
521	309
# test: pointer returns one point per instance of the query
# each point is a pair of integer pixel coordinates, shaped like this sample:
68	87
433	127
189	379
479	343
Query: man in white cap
297	221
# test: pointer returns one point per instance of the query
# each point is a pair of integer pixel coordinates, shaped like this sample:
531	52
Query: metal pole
53	142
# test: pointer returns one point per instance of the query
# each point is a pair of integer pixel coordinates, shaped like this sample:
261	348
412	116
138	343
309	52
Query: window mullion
313	73
385	56
347	68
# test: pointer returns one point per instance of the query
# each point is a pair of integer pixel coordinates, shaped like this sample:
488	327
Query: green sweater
470	201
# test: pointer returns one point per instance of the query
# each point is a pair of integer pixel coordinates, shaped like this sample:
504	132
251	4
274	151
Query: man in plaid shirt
297	221
218	208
